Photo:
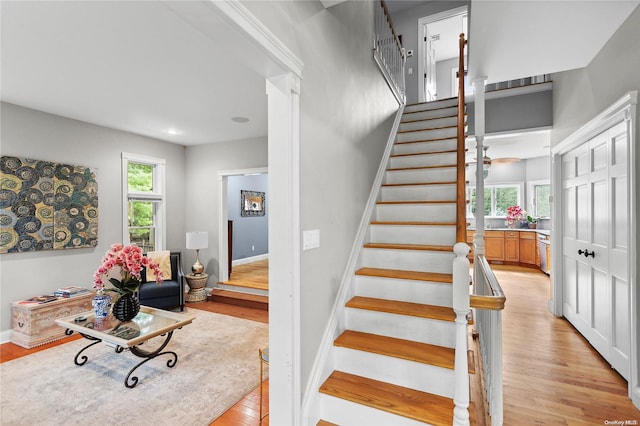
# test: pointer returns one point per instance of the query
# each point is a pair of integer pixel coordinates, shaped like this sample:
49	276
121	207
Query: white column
479	120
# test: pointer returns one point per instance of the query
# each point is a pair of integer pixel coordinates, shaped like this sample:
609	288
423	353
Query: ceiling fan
487	162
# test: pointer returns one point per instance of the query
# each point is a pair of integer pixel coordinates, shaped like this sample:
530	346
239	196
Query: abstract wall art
46	205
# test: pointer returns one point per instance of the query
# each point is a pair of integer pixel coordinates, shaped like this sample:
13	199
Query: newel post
461	308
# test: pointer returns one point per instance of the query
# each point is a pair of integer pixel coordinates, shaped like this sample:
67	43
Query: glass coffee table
128	336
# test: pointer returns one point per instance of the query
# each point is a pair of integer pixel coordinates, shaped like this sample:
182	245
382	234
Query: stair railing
461	265
461	206
388	52
488	301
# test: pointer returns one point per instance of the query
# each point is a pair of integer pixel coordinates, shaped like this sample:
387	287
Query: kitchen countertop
539	231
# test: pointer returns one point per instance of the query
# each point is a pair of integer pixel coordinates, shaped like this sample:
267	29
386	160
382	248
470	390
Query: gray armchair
169	294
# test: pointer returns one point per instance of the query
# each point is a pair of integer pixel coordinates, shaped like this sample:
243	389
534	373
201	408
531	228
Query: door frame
624	109
223	215
421	23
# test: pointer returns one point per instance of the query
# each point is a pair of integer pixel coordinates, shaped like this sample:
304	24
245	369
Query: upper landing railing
388	51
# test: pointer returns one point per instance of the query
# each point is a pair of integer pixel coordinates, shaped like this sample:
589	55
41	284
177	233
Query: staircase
393	360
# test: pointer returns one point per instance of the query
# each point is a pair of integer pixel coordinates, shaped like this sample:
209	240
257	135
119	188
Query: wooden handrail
496	300
461	217
393	29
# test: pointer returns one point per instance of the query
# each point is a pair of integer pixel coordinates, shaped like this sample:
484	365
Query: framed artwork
251	203
46	205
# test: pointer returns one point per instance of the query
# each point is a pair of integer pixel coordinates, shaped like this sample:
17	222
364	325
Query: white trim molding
624	109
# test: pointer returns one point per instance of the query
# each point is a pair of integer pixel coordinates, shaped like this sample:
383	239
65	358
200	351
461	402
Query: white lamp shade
197	240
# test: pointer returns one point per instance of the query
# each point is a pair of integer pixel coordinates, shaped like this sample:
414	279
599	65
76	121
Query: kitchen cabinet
470	236
527	246
494	245
511	246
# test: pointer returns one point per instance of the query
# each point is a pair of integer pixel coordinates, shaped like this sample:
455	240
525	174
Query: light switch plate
310	239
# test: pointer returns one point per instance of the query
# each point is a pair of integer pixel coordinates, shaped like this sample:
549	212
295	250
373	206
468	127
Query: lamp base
197	268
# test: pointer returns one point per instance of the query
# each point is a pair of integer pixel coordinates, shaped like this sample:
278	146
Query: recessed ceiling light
173	131
240	119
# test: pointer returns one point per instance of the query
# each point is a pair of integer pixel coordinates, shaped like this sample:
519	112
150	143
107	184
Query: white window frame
158	196
531	196
517	185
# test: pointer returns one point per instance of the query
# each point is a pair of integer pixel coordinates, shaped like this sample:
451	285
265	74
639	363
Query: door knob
587	253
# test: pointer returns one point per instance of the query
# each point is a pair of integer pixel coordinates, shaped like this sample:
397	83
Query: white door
429	67
595	242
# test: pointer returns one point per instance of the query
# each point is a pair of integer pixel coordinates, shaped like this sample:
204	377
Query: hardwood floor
552	376
251	275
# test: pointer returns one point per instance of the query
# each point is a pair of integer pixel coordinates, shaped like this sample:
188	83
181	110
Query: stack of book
37	300
71	291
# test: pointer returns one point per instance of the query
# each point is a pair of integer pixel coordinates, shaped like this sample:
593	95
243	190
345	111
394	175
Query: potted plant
127	263
533	222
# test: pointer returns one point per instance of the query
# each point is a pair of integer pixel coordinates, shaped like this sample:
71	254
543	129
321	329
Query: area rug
217	365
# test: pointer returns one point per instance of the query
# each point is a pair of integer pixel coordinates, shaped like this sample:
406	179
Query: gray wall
34	134
443	77
515	113
580	95
203	194
346	115
250	233
406	24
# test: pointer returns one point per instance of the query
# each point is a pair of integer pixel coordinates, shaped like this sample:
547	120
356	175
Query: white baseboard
5	336
250	259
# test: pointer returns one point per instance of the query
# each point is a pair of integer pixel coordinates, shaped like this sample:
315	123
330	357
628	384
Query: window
144	201
539	198
496	199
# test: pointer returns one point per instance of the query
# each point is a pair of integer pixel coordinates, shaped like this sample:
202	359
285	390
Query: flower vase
126	307
101	304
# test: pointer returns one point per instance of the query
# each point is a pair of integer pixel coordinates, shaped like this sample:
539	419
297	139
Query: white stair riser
424	330
425	115
415	212
346	413
413	234
429	124
444	103
408	260
430	293
418	193
425	135
426	160
400	372
443	174
433	146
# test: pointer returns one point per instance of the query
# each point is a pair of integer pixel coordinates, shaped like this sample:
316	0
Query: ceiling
141	67
148	67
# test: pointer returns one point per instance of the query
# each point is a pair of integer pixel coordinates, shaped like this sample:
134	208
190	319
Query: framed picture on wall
251	203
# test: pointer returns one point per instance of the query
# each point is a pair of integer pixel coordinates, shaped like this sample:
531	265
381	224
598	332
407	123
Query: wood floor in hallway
552	376
251	275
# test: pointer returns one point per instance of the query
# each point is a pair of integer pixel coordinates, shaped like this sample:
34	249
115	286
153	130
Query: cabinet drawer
528	235
494	234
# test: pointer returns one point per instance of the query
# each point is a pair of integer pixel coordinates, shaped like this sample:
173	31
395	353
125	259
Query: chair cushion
151	290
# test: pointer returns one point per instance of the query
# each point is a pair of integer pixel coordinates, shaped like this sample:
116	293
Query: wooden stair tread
377	222
431	118
443	166
428	129
417	405
425	247
240	295
430	140
406	275
418	202
325	423
423	353
450	151
420	310
418	184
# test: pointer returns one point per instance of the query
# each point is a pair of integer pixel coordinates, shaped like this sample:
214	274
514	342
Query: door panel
595	193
